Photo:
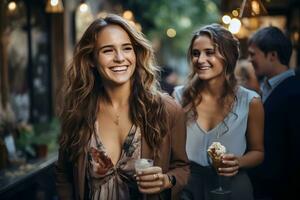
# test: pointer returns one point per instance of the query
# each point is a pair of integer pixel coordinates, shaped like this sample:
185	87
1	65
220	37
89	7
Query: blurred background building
37	38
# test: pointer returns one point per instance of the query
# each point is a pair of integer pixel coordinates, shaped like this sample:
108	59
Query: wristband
172	180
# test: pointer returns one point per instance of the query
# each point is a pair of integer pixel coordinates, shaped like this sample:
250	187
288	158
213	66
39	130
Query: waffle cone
217	163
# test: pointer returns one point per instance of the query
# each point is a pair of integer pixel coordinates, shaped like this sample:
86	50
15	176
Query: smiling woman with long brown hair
218	110
112	114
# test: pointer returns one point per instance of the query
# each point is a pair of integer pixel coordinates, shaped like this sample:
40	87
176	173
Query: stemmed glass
220	193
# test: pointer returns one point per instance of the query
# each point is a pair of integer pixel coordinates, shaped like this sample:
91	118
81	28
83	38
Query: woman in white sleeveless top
219	110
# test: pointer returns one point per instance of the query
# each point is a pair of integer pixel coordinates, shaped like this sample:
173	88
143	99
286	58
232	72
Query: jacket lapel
81	174
146	151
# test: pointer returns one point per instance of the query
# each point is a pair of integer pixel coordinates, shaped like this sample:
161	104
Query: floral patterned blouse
107	181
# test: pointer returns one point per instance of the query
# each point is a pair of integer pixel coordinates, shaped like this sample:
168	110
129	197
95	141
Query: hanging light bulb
54	6
83	7
252	8
12	6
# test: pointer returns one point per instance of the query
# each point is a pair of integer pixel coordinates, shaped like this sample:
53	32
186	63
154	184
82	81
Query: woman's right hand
231	165
152	180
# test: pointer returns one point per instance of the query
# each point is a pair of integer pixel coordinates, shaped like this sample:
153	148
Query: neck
277	69
117	96
214	87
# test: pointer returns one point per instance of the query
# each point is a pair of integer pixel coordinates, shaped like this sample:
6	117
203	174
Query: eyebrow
111	46
204	49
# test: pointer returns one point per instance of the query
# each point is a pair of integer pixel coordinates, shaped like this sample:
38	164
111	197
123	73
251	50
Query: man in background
270	51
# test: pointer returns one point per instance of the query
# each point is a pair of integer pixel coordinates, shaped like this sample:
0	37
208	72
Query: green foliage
38	134
47	133
25	138
182	15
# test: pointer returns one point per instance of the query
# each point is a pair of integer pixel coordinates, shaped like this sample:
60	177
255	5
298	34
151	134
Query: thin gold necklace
111	112
117	120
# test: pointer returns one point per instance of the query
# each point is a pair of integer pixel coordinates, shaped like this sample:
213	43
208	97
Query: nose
201	58
119	57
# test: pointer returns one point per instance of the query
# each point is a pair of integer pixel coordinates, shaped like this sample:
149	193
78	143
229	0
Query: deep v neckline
226	118
128	140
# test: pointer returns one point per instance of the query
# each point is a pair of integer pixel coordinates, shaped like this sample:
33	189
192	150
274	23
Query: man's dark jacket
280	171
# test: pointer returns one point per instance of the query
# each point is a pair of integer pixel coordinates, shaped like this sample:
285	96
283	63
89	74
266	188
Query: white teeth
118	68
203	68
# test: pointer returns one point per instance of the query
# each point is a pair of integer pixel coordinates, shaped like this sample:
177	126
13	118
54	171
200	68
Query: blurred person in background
219	110
168	79
112	115
270	52
245	75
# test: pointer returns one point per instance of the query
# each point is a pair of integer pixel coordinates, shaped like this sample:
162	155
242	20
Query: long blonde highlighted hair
83	87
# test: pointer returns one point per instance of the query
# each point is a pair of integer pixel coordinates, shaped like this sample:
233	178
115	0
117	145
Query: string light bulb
252	8
12	6
54	6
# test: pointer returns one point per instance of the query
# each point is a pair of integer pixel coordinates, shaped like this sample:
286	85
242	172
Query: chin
121	82
203	77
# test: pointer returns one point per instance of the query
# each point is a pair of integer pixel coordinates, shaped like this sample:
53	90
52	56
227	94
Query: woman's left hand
231	163
152	180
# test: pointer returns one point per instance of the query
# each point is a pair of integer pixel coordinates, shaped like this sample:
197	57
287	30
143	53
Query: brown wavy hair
83	87
228	47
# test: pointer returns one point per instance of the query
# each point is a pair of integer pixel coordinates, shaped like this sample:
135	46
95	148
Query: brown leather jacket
71	178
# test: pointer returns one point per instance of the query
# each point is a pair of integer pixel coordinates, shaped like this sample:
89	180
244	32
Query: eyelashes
197	53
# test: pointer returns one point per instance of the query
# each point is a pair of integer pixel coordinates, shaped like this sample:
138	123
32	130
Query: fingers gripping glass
140	165
215	152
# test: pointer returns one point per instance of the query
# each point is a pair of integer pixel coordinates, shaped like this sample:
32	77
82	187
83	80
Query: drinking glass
140	165
220	193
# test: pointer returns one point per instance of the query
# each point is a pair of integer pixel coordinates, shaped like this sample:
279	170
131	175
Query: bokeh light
226	19
234	26
171	32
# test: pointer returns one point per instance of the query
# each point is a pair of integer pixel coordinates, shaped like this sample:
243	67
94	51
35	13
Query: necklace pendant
117	120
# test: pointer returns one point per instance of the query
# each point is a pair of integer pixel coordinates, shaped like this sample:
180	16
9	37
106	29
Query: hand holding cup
150	178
